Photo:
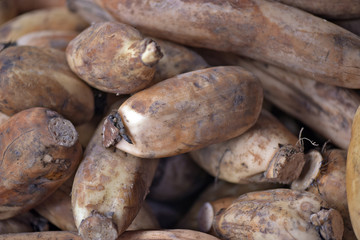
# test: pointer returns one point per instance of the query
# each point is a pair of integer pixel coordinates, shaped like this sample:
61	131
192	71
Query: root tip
330	222
152	53
205	217
97	226
286	165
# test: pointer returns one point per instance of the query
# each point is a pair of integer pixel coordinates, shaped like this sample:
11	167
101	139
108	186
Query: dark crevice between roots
100	102
6	45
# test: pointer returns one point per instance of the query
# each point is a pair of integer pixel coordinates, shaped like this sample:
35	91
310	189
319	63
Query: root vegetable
326	109
177	59
44	19
40	152
187	112
332	9
109	189
217	190
265	152
89	10
279	214
208	212
58	39
310	171
8	10
49	235
43	78
263	30
113	57
26	6
172	234
58	210
330	183
325	176
353	175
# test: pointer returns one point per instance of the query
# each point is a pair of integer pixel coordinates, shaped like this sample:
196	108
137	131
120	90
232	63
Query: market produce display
173	119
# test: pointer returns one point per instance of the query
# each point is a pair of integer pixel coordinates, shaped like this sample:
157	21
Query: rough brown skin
173	234
217	190
40	77
294	39
177	59
26	6
8	10
109	189
332	9
40	152
89	10
189	111
176	178
279	214
59	18
265	152
113	57
58	210
329	110
58	39
353	175
326	109
49	235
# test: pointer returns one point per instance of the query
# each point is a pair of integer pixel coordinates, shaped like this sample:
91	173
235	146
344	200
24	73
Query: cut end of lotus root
114	130
310	171
110	133
329	223
63	131
152	53
98	227
286	165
